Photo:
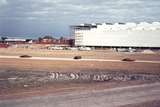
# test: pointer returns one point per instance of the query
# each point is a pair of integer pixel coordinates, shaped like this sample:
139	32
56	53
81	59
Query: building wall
102	36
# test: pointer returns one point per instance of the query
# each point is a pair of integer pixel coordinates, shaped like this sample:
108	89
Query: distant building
118	34
50	40
10	41
4	45
15	41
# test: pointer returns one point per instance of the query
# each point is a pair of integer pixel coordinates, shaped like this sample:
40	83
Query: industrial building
141	34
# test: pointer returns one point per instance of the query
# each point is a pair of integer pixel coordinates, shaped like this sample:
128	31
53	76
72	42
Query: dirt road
102	98
94	54
71	59
76	66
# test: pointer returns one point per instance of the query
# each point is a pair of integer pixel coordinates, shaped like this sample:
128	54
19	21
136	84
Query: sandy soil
77	66
132	95
61	88
97	54
155	103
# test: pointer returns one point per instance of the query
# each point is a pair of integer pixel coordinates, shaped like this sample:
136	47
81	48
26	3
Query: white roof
156	23
131	25
15	40
128	26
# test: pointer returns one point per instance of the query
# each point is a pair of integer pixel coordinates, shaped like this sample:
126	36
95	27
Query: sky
34	18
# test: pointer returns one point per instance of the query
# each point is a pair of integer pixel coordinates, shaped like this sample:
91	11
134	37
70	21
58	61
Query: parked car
77	57
56	48
85	48
128	59
25	56
132	50
122	50
72	48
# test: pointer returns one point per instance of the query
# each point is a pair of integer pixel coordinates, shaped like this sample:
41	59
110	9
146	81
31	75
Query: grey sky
38	17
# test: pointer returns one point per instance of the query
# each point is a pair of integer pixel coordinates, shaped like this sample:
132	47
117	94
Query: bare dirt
45	66
77	66
155	103
98	54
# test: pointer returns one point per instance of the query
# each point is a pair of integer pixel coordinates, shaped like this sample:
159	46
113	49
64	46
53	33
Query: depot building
141	34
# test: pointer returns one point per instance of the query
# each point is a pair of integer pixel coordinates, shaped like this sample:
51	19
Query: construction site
75	72
29	72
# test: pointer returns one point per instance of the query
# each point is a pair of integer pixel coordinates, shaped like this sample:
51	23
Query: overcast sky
40	17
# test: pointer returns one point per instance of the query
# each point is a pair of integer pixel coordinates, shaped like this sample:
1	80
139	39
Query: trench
12	78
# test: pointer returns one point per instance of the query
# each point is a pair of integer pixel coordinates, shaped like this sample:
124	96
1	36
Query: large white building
118	35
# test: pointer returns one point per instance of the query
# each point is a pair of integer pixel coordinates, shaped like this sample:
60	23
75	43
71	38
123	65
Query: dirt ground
155	103
25	64
62	88
97	54
74	66
77	66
